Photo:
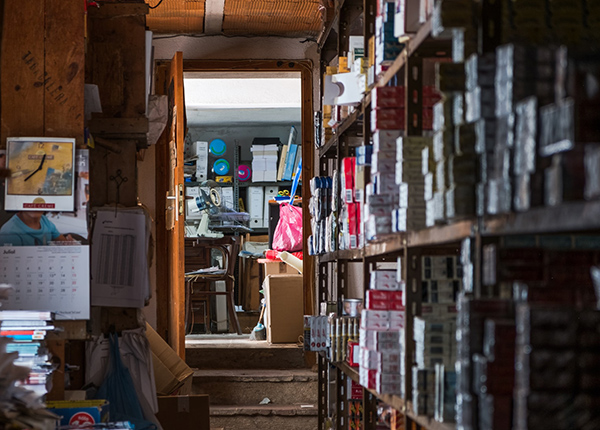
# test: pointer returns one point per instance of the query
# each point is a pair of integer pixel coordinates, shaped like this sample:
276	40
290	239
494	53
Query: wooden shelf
429	423
266	184
388	244
411	46
568	217
440	235
344	254
397	403
395	243
246	184
346	124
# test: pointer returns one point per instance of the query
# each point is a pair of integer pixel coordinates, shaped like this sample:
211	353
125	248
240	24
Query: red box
388	97
353	215
427	118
385	305
387	119
356	391
349	164
430	96
352	355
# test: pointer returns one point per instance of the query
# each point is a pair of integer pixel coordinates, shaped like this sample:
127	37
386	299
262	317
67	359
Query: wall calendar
47	278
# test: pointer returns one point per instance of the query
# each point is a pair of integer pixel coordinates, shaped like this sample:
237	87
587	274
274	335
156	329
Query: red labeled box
348	167
353	354
388	97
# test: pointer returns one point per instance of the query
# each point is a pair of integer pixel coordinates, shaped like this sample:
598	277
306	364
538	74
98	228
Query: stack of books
291	154
23	377
25	332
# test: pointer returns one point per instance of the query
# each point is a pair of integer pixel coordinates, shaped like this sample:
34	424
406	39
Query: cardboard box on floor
285	308
184	412
276	267
171	373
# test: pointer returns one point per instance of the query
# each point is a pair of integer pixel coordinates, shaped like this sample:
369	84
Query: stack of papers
25	368
264	163
120	273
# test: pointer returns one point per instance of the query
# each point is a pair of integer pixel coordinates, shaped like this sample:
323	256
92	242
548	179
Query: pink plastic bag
288	233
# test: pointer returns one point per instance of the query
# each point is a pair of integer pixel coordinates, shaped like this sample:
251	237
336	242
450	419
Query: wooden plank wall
42	64
116	58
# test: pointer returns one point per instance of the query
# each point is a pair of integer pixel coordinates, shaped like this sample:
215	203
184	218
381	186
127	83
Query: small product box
82	413
349	165
353	354
385	140
388	97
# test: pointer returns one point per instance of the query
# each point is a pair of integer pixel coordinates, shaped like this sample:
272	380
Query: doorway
229	115
206	120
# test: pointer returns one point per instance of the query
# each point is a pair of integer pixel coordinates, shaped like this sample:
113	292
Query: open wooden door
170	208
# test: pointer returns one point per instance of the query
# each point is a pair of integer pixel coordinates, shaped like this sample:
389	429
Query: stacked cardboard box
415	184
264	162
494	374
351	209
381	354
323	238
386	45
381	192
557	353
470	369
441	278
445	394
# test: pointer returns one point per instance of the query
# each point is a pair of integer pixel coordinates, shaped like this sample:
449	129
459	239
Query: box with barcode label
348	167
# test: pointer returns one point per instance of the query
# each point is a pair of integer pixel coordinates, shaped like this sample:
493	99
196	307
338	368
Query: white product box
408	17
256	206
201	151
227	197
270	194
385	140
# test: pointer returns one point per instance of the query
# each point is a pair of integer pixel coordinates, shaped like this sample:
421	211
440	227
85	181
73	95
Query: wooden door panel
170	271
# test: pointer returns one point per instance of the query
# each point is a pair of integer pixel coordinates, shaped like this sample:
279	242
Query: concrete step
237	352
251	386
265	417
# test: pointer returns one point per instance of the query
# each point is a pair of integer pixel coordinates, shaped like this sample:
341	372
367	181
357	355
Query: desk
198	287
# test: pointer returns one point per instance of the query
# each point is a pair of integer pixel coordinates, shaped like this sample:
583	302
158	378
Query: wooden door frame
305	68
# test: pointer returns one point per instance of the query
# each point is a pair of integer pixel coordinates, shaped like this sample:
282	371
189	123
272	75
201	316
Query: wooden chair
200	287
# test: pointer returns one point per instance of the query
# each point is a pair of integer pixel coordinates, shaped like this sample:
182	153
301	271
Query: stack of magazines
24	368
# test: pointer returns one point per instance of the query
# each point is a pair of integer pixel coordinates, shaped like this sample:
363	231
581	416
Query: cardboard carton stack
434	333
264	162
381	354
386	44
415	183
381	192
473	405
351	210
323	224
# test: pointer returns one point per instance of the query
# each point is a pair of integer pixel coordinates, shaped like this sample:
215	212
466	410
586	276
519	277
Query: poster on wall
40	228
42	174
44	256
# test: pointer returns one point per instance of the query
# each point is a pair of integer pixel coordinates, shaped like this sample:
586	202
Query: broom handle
262	311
